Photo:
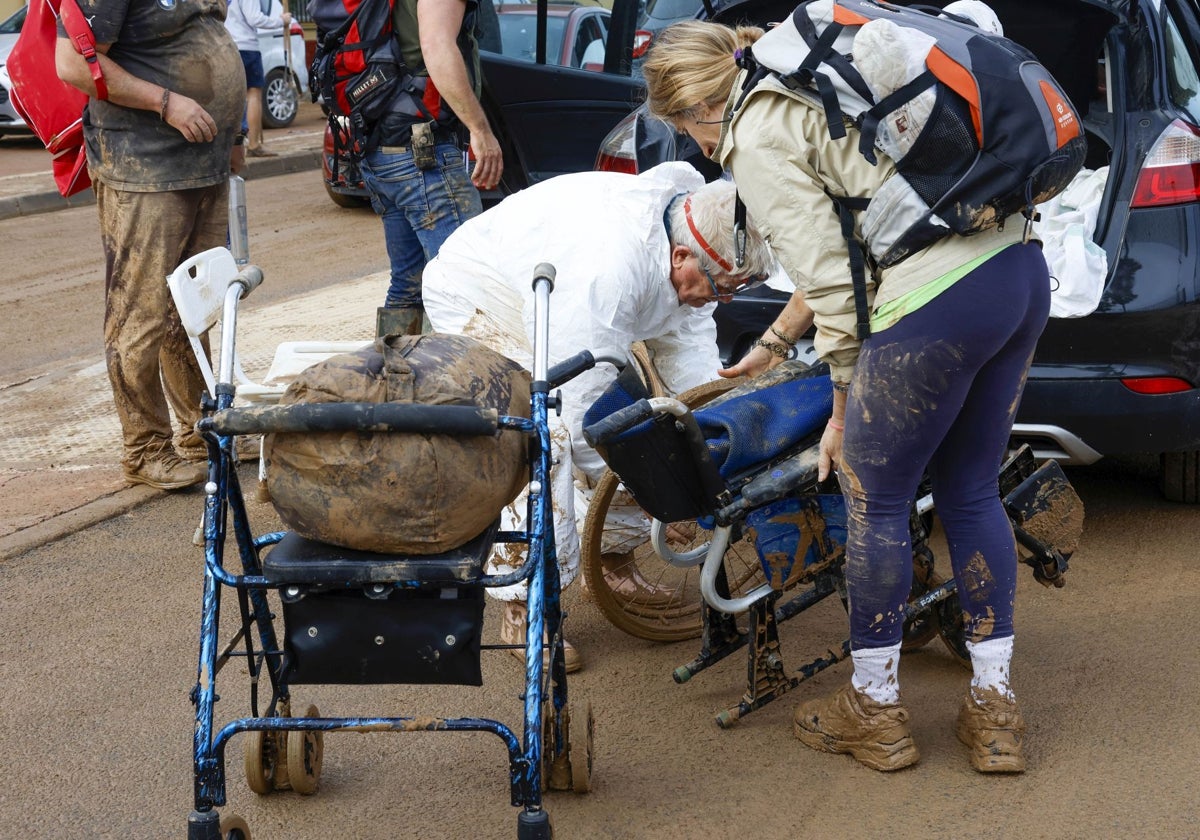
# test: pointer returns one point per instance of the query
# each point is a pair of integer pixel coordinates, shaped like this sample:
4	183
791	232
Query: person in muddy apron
935	386
160	150
638	258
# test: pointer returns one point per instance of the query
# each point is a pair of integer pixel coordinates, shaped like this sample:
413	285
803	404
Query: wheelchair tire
580	751
676	616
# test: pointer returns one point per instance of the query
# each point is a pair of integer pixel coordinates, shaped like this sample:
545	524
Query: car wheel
1180	476
280	100
343	200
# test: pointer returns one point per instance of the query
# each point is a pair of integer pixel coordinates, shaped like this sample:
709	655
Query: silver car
281	92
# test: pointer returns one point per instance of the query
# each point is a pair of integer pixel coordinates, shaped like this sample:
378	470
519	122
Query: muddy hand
191	120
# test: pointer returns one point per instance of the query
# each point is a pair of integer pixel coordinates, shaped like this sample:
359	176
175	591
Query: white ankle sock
990	661
877	673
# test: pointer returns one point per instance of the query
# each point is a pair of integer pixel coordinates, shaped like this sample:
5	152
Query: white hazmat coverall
605	235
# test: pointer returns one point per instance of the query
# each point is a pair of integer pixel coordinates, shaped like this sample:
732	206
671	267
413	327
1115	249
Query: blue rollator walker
741	471
339	605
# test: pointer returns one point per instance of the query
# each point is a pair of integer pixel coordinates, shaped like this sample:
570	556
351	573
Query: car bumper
1077	421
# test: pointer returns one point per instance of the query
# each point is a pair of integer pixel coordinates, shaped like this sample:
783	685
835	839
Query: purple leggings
939	391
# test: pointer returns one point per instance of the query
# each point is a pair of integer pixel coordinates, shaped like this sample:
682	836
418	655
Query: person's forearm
439	22
124	88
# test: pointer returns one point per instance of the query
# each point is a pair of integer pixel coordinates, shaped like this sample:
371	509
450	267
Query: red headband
708	249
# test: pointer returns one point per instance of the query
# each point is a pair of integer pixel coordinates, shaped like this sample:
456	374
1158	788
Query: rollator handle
461	420
547	272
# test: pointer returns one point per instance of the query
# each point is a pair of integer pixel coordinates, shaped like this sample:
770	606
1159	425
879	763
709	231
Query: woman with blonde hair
934	387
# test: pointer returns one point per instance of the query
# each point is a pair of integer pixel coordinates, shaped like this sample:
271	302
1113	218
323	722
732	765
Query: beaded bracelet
772	347
166	97
841	387
790	342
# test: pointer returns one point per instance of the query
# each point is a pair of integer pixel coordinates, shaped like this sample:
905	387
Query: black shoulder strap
845	207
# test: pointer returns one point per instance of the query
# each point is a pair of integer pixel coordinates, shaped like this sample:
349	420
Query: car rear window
1183	82
518	36
663	9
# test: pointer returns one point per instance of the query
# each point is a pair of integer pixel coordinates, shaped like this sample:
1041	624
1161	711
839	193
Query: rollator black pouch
382	634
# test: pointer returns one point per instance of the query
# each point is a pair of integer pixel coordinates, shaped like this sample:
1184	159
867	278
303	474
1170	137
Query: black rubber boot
400	320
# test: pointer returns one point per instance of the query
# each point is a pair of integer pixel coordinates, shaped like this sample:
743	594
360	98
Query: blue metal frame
224	505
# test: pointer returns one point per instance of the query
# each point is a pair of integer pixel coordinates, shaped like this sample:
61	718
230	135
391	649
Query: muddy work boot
876	735
994	732
512	632
166	471
399	320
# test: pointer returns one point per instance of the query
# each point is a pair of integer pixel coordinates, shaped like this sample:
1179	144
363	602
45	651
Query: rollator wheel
234	828
639	592
580	751
305	749
950	627
261	761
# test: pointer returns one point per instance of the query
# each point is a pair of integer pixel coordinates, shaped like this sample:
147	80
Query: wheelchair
356	617
734	521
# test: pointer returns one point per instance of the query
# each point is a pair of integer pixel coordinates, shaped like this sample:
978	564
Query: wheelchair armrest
464	420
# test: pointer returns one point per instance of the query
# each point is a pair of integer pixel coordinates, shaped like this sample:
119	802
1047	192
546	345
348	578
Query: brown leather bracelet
773	347
166	98
790	342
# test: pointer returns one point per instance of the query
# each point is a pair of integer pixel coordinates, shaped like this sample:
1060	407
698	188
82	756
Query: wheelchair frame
539	756
933	607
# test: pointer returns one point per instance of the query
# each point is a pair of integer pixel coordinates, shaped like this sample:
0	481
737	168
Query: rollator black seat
298	560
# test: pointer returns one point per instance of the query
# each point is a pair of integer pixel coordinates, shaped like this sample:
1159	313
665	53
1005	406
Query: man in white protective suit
638	258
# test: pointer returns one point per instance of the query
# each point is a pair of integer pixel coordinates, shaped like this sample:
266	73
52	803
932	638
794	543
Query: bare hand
237	159
190	120
831	452
489	160
757	361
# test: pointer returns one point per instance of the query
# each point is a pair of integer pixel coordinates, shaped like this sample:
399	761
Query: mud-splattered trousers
419	208
939	391
151	366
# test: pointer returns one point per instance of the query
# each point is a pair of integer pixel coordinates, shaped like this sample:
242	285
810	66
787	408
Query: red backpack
51	107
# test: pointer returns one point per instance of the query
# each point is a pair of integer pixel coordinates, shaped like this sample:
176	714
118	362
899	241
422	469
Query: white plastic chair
198	288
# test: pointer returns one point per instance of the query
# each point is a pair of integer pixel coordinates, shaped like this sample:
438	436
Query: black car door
551	119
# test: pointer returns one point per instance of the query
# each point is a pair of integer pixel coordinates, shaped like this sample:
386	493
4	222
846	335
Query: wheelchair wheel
305	749
639	592
234	828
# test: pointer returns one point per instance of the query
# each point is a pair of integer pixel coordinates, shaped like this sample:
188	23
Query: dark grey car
1125	378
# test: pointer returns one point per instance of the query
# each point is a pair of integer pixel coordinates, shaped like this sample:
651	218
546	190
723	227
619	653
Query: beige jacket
777	147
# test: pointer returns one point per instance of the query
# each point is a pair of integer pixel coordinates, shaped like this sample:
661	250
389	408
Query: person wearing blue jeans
420	208
416	166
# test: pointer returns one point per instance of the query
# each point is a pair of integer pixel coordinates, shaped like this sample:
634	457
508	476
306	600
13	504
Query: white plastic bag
1078	266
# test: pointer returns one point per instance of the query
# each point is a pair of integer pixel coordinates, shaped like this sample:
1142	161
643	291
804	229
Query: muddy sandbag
401	493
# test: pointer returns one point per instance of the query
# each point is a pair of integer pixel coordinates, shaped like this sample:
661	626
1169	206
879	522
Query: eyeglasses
747	283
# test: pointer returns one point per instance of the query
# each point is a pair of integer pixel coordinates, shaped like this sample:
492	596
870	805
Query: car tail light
618	152
641	42
1152	385
1171	173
